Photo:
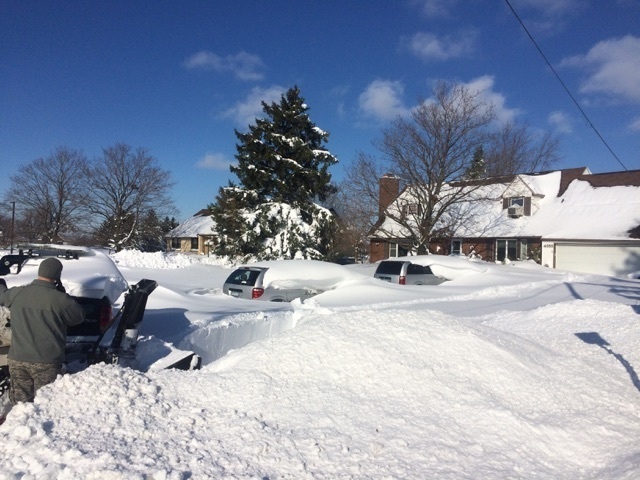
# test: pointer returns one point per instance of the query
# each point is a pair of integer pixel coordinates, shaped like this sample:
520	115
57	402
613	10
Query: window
194	243
516	202
175	243
415	269
524	250
456	247
397	250
412	209
506	249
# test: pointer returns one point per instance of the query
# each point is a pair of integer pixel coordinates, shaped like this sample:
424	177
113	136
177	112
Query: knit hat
50	268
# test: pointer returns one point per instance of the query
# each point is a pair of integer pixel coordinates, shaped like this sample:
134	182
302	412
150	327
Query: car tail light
257	292
402	280
105	316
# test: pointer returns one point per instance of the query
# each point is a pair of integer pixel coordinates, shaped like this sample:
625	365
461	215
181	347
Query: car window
414	269
390	268
243	277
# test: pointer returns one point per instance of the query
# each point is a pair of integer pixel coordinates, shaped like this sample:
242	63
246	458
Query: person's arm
74	312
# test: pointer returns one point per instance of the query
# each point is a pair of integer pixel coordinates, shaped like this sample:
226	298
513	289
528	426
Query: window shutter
505	203
527	206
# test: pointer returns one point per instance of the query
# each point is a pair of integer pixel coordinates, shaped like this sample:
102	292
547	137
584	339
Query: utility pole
13	222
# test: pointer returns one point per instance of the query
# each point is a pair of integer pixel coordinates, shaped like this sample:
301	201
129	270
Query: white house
567	219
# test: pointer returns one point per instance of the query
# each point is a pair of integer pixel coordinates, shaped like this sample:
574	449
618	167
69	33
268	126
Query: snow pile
307	273
93	275
450	268
512	372
161	260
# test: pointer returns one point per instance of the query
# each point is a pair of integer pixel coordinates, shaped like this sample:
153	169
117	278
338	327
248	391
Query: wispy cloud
429	46
214	161
547	16
248	109
613	68
483	87
560	121
243	65
548	8
435	8
634	126
382	100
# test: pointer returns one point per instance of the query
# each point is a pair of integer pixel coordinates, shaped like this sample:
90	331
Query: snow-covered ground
506	371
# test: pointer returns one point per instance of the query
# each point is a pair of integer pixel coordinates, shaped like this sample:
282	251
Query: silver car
406	273
248	283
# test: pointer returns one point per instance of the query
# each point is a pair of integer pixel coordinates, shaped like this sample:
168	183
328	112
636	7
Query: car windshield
243	277
390	268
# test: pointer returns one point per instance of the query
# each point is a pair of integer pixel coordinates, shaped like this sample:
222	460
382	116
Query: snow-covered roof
192	227
587	207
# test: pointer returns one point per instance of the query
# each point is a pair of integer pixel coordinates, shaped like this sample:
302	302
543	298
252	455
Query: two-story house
567	219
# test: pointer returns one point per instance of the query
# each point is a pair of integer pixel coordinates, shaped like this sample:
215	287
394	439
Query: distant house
193	235
566	219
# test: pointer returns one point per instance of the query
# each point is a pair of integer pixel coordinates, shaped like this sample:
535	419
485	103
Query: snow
506	371
93	274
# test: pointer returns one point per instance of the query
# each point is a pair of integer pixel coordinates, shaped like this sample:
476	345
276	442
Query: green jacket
40	315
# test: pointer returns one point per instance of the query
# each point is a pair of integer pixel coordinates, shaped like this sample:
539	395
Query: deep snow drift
503	372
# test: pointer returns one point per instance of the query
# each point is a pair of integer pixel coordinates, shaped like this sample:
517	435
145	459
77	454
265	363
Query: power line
564	86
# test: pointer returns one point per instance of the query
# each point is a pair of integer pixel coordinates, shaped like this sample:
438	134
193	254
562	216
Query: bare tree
354	217
126	185
442	154
514	148
431	153
50	192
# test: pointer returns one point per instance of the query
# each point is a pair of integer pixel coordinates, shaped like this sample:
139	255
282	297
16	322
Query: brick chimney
389	191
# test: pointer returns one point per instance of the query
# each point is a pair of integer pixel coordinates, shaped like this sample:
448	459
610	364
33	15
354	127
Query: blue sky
178	77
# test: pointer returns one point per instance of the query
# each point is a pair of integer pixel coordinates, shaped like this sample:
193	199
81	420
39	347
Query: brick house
568	219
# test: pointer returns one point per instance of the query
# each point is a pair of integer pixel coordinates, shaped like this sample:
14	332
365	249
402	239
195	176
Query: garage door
616	260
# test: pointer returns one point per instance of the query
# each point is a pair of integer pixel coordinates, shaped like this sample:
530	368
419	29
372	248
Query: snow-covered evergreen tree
283	171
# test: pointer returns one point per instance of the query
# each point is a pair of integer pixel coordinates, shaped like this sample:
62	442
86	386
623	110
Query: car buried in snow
405	272
249	283
286	280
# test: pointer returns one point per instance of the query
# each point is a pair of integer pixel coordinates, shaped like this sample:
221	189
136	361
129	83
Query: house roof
570	204
200	224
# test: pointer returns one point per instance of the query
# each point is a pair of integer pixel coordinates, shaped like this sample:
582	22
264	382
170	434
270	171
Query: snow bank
307	273
366	394
161	260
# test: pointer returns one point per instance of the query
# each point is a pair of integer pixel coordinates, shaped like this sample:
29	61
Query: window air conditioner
515	211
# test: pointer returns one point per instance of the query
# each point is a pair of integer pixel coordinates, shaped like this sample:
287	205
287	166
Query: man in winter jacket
40	314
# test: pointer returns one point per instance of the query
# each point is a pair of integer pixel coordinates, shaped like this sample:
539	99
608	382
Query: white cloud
431	47
243	65
560	121
634	126
548	16
436	8
247	110
382	100
483	86
548	8
214	161
613	67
